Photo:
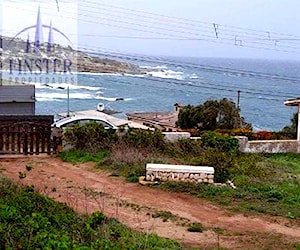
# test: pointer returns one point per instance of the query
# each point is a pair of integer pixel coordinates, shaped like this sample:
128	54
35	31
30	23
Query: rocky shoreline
13	50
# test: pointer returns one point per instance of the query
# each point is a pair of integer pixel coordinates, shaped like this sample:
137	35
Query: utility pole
68	93
239	108
238	100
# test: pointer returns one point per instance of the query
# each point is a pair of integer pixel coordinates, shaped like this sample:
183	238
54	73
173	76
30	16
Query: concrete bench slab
180	168
183	173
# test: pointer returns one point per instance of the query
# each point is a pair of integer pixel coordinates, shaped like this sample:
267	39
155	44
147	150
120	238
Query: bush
187	147
222	162
220	142
146	139
91	137
284	135
264	135
196	227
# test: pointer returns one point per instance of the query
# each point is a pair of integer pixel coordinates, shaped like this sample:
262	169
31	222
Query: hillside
14	49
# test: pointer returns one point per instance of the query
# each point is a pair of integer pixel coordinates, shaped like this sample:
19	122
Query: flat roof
292	102
163	118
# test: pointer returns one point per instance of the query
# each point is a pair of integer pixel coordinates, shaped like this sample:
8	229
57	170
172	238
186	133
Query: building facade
17	100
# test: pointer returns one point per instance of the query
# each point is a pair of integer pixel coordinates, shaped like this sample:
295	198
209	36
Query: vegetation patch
31	221
196	228
266	183
81	156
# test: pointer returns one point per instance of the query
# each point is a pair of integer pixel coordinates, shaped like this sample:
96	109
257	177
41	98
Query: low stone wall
268	146
182	173
175	136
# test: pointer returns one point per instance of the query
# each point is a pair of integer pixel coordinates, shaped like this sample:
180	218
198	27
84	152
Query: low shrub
186	147
91	137
220	142
283	135
196	228
264	135
146	139
223	164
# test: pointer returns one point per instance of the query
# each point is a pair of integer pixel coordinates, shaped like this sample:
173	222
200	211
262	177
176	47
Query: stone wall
268	146
183	173
175	136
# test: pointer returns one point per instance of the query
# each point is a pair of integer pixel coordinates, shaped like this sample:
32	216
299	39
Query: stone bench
184	173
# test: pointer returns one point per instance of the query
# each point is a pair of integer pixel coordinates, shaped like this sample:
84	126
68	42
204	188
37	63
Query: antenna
237	41
57	5
216	27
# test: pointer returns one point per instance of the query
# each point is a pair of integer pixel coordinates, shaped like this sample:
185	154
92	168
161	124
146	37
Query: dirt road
88	190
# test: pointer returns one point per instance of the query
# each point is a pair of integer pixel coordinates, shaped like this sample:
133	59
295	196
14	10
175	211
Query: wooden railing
27	135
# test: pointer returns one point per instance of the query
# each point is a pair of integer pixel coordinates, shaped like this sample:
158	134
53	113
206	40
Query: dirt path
88	190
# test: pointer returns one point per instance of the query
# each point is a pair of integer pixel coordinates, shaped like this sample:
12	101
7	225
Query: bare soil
87	190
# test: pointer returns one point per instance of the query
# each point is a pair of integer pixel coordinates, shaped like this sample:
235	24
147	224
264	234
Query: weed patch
196	228
31	221
83	156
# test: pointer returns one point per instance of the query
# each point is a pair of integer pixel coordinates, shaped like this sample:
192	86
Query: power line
231	40
152	59
222	87
183	20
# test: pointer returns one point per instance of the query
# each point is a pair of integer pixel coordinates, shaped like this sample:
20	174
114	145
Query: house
162	120
17	100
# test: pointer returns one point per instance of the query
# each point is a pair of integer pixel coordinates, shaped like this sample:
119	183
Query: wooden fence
27	135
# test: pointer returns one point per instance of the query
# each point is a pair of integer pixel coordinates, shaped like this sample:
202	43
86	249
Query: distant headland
19	55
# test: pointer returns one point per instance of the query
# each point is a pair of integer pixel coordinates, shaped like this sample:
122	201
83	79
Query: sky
192	28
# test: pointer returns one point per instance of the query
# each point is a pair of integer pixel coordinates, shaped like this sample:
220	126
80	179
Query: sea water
264	85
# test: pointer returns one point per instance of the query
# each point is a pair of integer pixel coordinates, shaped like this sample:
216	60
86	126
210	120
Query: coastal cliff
12	51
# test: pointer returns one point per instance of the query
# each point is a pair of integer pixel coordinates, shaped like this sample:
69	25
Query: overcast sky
272	26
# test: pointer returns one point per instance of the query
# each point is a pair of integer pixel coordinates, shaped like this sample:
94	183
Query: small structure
17	100
118	122
296	103
162	120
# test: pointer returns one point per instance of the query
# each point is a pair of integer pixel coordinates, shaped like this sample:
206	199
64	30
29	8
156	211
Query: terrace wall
268	146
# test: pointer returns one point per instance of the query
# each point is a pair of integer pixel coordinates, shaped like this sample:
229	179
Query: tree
292	129
211	115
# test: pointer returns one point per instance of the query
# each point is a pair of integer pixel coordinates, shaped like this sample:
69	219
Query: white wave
65	86
52	96
71	86
134	75
113	99
168	74
155	67
98	74
194	76
112	74
42	99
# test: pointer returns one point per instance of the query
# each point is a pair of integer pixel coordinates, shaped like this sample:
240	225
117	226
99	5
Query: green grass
82	156
29	220
196	228
265	184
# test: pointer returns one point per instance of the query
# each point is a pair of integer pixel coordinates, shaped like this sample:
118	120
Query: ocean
264	85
